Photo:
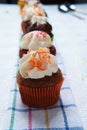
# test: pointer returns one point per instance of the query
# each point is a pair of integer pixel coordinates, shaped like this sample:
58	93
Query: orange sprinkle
41	51
40	14
37	10
38	62
47	58
35	62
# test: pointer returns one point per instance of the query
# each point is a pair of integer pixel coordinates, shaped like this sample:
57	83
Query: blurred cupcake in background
28	11
39	23
39	79
31	3
34	40
26	4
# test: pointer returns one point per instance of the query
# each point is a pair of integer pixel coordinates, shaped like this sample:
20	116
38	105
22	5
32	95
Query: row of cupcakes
35	18
39	79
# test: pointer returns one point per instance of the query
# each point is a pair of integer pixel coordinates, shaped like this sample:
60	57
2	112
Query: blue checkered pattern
17	116
62	116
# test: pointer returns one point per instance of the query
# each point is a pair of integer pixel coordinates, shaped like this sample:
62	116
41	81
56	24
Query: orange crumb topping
40	14
38	61
37	10
40	50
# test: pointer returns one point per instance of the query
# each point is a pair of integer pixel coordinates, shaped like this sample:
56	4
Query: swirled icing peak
38	64
36	39
39	19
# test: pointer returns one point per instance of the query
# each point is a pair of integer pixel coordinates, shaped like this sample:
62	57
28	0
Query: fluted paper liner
40	97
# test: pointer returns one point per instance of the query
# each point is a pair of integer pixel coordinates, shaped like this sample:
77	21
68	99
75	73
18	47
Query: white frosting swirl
36	39
38	19
30	3
36	73
31	11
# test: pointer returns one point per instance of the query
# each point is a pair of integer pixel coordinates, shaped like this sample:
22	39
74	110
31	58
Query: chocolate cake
27	26
39	79
42	82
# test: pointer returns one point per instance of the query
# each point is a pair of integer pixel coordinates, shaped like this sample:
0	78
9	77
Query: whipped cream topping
30	3
39	19
36	39
28	13
38	64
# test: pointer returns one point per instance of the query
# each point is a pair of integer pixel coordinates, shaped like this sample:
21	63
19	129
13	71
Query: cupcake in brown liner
34	40
39	79
39	23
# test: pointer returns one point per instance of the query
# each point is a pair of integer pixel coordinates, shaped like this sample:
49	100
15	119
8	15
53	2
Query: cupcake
34	40
31	3
26	4
39	79
28	13
39	23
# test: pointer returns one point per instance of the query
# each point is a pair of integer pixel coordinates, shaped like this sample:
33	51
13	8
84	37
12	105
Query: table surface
70	30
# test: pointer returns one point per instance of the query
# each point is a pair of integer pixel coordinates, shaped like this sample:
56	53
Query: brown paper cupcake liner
40	97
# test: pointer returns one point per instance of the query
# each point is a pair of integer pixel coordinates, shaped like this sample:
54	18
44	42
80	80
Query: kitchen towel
62	116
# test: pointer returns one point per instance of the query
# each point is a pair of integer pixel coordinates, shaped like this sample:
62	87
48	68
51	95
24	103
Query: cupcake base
41	97
27	26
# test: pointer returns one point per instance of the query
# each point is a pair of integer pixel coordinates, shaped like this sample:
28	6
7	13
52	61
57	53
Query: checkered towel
62	116
14	115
